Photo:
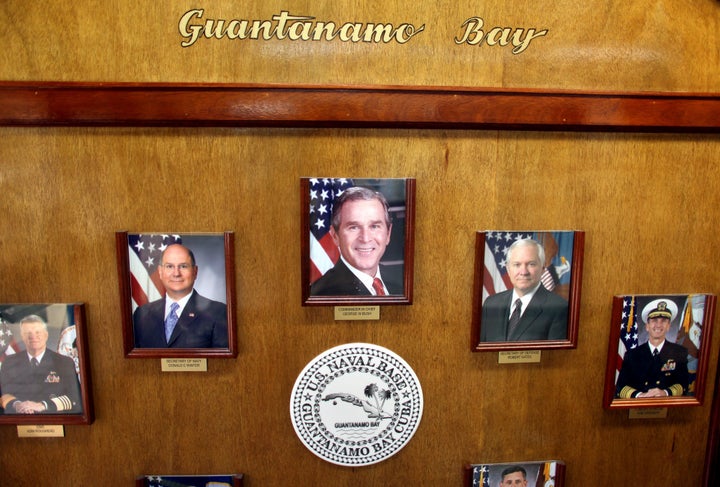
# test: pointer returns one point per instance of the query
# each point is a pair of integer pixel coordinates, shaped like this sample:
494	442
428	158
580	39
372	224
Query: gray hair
33	319
528	242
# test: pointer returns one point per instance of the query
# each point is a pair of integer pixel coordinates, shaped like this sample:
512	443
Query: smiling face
657	328
35	336
362	234
177	271
524	268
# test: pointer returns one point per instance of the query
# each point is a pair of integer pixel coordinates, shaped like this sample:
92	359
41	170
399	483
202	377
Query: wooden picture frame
537	474
711	470
66	395
224	480
320	251
561	276
690	327
138	256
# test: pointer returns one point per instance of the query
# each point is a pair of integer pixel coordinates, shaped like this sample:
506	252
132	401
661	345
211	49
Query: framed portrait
357	241
177	294
526	292
229	480
526	474
659	350
44	367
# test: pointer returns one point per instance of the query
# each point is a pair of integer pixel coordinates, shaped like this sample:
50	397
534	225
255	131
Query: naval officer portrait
658	367
182	318
38	380
528	311
360	229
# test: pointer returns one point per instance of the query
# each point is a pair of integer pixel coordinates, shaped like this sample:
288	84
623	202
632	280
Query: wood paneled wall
647	203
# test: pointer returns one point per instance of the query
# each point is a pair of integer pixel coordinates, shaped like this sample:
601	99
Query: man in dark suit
361	230
657	368
38	380
184	318
528	311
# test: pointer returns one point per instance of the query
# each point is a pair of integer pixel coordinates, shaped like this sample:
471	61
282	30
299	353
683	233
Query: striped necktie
514	318
378	287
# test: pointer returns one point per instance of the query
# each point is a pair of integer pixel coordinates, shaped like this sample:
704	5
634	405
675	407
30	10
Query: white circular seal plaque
356	404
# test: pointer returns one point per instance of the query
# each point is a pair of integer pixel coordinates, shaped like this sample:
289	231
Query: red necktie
378	287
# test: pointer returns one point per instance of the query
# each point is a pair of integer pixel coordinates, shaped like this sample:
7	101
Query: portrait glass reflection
177	291
40	362
524	474
657	348
526	284
357	240
232	480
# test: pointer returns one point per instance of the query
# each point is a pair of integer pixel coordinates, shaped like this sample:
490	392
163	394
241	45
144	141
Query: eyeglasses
180	267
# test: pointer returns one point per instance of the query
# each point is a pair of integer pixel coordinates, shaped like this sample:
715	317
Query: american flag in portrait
495	276
145	253
323	251
481	476
8	345
628	331
558	248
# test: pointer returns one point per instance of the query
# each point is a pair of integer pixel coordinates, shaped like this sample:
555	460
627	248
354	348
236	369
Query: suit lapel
157	315
504	315
357	284
532	312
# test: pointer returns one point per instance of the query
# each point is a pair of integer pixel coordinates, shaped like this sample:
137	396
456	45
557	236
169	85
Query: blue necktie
171	320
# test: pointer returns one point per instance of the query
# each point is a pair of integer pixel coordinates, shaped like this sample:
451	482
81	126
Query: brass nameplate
648	413
184	364
41	431
519	357
357	313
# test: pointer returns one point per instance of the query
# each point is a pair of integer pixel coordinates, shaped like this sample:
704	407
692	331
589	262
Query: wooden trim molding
235	105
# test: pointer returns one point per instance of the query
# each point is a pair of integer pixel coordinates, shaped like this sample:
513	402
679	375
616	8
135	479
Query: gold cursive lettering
193	27
503	36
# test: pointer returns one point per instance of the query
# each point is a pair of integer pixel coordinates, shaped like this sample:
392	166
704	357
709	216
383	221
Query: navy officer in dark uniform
657	368
38	380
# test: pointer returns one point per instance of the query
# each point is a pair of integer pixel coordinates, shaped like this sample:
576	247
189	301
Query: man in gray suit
528	311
